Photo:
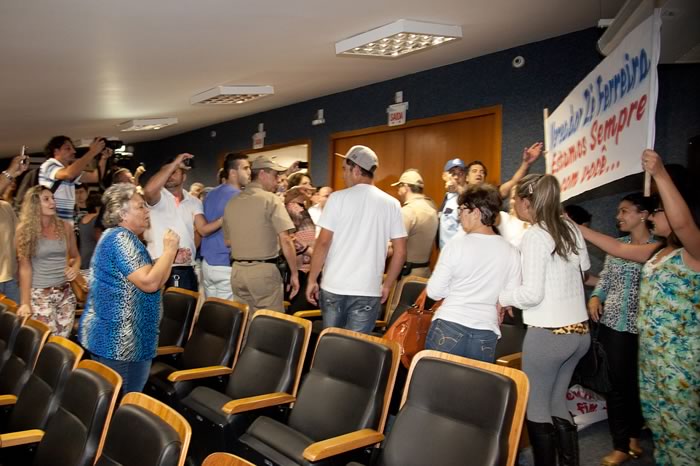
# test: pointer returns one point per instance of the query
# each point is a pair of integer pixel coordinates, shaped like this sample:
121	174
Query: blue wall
553	67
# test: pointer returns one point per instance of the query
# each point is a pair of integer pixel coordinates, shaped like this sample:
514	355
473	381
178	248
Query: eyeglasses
657	210
463	207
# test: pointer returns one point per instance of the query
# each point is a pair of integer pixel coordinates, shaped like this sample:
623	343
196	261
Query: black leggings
624	410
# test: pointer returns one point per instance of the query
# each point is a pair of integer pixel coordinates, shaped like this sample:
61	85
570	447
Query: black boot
543	443
567	440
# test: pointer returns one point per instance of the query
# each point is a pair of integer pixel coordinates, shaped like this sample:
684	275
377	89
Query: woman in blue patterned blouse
614	305
122	313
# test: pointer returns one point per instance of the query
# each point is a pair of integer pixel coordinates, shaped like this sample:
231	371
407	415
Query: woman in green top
669	321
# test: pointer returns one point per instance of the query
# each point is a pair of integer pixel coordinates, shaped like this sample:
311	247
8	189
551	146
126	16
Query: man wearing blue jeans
357	225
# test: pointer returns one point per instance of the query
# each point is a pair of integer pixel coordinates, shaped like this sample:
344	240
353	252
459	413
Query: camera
113	144
303	165
189	163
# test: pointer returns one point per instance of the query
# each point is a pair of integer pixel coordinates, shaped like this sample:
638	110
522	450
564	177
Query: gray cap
362	156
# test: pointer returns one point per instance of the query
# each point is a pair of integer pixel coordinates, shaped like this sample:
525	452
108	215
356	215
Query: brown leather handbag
80	288
411	328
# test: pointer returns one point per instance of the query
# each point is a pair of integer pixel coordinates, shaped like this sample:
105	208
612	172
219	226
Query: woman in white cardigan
551	296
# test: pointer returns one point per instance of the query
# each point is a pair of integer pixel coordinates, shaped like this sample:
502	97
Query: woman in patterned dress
668	323
614	304
119	326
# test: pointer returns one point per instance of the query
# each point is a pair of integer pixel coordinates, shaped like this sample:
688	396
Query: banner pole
545	115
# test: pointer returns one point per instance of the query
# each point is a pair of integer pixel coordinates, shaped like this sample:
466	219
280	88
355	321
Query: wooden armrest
257	402
199	373
380	324
7	400
341	444
163	350
306	314
511	360
21	437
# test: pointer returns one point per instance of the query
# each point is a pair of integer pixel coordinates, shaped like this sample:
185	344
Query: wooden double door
426	145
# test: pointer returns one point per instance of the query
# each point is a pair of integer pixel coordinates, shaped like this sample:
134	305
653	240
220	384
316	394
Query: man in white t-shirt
356	227
174	208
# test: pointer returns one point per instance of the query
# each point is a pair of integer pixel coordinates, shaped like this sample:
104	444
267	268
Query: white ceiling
80	67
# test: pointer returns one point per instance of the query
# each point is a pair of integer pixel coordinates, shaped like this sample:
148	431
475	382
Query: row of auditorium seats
252	415
57	410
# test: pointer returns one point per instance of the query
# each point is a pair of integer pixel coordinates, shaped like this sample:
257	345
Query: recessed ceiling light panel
398	39
148	124
222	95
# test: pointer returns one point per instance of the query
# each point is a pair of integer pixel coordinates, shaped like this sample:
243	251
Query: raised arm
675	207
530	155
15	169
151	192
74	170
633	252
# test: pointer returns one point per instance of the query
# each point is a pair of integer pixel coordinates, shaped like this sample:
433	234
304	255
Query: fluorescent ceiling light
149	124
231	94
398	38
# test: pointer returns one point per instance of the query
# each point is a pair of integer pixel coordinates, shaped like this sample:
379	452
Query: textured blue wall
553	67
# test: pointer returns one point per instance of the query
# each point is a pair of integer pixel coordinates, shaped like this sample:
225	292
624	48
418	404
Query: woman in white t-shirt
471	271
554	309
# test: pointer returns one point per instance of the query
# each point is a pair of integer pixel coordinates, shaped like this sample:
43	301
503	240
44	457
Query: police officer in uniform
421	221
256	226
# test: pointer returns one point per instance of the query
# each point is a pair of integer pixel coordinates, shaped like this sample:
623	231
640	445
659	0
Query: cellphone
303	165
23	160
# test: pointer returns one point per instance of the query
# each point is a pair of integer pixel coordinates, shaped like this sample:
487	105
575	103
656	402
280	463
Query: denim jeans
358	313
134	373
459	340
10	289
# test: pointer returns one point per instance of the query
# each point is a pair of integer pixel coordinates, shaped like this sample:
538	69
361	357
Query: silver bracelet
7	175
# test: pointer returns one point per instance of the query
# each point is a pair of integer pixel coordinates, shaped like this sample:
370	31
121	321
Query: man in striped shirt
62	166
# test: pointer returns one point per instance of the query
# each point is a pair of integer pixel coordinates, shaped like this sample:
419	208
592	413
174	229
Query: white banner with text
598	133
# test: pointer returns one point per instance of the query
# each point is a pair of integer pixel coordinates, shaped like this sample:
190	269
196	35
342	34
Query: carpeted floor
595	443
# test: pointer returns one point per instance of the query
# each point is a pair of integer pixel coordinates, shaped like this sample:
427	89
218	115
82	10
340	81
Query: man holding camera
174	208
62	171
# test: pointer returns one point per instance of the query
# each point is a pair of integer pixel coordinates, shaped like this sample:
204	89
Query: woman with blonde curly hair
48	260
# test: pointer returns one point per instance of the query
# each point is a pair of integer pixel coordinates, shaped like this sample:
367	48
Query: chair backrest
39	398
348	387
76	432
511	341
217	334
455	408
9	326
179	306
161	434
409	290
9	304
225	459
272	357
28	343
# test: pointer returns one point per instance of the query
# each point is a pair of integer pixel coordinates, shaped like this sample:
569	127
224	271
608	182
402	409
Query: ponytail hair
543	191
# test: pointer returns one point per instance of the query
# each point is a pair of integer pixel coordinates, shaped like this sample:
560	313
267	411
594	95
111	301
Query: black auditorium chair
209	353
225	459
510	346
39	397
266	373
341	408
457	411
16	371
145	432
179	307
76	433
10	323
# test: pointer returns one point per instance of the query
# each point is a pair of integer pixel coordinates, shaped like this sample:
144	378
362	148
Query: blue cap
454	163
